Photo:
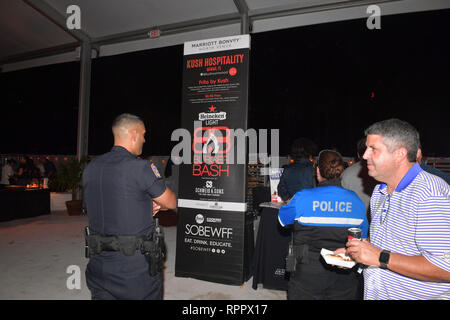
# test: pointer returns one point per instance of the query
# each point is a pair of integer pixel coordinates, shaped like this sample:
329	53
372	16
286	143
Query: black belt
128	245
152	247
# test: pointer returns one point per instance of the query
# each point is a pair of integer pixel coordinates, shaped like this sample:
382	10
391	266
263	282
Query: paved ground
39	256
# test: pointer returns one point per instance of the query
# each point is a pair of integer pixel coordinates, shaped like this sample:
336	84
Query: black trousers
111	276
319	281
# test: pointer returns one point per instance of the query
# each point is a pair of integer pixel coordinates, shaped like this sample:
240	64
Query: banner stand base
241	272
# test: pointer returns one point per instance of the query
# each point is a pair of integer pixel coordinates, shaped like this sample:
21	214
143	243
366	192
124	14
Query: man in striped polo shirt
408	254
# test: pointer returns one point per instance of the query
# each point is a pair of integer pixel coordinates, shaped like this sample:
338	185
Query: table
270	250
18	203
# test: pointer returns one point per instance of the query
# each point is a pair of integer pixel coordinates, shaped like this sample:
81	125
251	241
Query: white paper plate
336	260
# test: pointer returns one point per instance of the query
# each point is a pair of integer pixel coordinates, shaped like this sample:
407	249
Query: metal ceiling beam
170	29
186	26
165	30
242	7
290	10
57	18
47	52
85	69
226	19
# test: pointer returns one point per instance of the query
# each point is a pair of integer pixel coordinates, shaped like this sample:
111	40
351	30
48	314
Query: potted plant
68	179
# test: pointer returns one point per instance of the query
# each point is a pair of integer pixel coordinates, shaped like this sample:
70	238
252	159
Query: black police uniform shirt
118	189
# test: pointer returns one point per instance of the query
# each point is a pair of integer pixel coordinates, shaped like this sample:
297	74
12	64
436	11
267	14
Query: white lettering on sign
332	206
209	232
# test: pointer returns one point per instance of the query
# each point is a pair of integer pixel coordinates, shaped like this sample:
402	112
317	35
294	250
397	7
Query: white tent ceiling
34	32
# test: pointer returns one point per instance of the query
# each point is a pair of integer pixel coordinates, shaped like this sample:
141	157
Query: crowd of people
26	172
401	205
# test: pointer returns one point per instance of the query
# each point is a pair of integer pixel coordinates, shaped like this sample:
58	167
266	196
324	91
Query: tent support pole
242	7
84	100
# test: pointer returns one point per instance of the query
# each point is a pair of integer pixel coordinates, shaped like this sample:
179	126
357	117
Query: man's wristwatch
385	255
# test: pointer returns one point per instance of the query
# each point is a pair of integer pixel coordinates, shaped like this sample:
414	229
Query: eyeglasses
385	210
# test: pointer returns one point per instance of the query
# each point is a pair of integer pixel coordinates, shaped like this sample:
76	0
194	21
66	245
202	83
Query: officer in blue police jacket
321	217
121	191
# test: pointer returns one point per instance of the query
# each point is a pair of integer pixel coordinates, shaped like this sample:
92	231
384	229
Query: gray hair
125	121
397	134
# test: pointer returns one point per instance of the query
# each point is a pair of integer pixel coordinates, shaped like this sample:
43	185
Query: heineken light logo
212	116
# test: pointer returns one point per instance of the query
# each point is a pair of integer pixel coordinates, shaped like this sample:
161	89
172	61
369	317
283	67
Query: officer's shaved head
129	131
123	123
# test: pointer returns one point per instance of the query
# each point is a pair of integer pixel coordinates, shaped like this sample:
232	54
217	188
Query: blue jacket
323	215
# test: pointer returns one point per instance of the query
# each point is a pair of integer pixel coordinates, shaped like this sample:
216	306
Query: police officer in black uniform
121	192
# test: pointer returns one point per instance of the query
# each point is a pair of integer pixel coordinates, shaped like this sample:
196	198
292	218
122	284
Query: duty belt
152	247
128	245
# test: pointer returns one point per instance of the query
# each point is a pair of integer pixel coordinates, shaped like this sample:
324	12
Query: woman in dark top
299	174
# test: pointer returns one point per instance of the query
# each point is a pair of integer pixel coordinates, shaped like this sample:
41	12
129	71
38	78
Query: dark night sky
327	82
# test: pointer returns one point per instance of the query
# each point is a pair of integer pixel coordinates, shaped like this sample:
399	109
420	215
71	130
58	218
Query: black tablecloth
270	252
21	203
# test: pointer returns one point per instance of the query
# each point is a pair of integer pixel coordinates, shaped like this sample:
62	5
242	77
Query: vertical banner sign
211	232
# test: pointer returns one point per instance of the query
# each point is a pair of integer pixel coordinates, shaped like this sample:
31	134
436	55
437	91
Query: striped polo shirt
413	220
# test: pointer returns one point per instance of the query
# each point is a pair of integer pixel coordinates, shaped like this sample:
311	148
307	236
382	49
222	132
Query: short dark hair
302	148
397	134
125	119
331	164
